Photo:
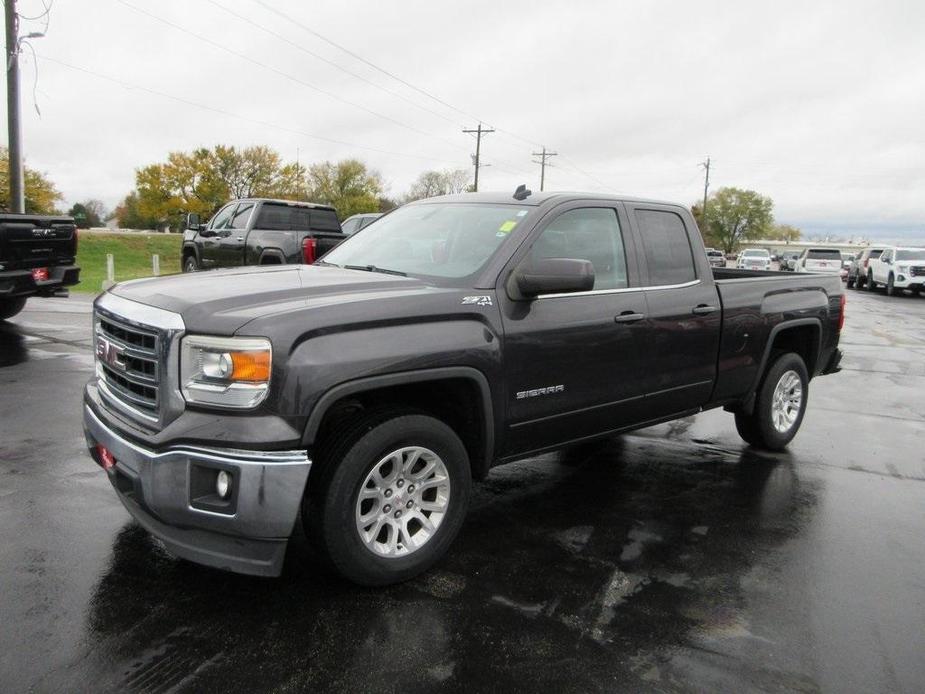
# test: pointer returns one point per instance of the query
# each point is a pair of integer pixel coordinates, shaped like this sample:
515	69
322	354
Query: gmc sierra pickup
260	232
38	255
366	391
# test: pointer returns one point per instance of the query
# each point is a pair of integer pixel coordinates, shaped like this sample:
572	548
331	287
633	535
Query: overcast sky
819	105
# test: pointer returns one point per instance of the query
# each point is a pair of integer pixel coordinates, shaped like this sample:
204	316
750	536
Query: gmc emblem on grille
110	354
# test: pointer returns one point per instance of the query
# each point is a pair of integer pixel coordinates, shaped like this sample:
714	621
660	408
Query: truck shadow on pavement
12	345
621	566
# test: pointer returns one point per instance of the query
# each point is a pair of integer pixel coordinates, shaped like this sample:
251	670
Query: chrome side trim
626	290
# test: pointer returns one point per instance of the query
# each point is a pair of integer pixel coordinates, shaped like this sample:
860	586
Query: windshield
439	240
911	254
757	254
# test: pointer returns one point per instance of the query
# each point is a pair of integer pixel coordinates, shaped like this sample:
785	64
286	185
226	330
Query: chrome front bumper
170	494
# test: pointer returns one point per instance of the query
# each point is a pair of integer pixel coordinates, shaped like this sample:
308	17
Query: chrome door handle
629	317
703	310
240	238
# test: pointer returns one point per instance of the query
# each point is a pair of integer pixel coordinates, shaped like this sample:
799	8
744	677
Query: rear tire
849	282
368	472
779	405
10	307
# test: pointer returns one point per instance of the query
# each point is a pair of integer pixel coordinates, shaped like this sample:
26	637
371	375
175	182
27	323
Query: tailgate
28	241
325	241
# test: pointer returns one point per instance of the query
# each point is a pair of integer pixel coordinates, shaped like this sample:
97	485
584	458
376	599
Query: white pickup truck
897	268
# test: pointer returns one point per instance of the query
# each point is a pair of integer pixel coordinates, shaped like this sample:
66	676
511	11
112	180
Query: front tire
10	307
890	288
850	282
390	497
779	406
190	264
871	285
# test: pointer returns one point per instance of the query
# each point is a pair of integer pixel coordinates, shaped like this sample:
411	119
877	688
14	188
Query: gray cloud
816	104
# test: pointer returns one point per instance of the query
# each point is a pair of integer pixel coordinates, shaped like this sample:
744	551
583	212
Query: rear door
576	364
684	313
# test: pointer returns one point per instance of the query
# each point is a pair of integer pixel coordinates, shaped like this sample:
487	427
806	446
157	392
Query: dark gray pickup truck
260	231
38	257
365	393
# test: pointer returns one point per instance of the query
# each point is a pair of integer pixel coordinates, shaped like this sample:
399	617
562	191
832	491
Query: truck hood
220	302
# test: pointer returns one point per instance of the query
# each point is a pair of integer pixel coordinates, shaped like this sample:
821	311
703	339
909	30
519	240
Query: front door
231	240
576	364
218	225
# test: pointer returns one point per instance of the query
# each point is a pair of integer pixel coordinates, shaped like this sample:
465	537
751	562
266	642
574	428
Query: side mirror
192	221
552	276
888	261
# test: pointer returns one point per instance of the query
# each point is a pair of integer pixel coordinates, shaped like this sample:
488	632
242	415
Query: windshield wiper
373	268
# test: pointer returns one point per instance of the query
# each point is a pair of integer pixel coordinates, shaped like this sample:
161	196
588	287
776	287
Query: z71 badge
476	301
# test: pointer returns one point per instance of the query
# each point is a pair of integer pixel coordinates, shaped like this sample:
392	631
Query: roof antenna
522	193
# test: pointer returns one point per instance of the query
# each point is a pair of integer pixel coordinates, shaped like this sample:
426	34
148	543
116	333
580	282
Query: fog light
902	278
223	484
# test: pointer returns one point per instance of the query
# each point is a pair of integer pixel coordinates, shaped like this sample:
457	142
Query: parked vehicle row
897	269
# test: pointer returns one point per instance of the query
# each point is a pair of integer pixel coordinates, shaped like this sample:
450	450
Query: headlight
902	268
225	371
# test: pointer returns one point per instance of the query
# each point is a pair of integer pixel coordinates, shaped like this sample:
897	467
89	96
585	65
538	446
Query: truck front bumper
14	283
172	494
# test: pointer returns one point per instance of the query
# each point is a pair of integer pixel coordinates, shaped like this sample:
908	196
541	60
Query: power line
302	48
544	155
292	20
213	109
277	71
478	148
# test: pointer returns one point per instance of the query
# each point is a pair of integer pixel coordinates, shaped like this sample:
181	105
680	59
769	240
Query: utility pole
544	155
17	193
478	150
706	187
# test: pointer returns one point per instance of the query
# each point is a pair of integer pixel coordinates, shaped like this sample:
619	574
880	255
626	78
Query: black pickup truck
38	256
259	231
454	334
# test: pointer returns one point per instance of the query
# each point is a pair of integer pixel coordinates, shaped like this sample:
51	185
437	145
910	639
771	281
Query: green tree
40	193
89	213
347	185
128	215
735	215
784	232
432	183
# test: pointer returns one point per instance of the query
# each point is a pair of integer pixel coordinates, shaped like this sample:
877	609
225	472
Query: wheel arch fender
812	326
369	385
275	253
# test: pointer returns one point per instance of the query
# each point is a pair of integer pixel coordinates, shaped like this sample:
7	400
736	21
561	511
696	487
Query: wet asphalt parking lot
671	559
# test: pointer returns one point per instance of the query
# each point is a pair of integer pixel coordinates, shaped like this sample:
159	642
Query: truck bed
753	303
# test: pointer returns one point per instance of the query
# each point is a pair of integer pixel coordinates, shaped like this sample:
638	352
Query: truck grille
129	363
917	271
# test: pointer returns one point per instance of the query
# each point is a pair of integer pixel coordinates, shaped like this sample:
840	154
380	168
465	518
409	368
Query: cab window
241	215
592	234
222	218
667	247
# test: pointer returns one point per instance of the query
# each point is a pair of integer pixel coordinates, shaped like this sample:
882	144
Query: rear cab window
667	247
823	254
281	217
